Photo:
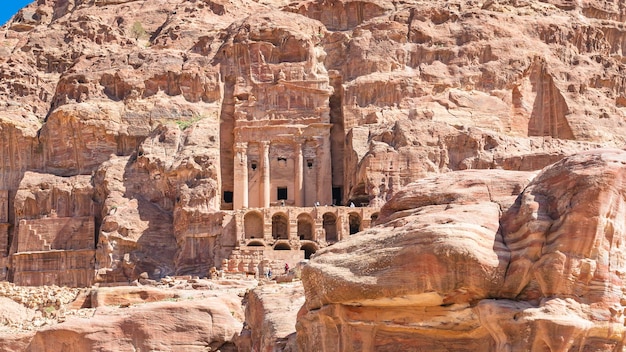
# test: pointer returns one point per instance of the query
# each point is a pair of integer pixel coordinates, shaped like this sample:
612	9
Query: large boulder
455	264
193	324
432	249
271	312
437	252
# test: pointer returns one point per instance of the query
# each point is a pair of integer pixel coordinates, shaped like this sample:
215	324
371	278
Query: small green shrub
184	124
137	31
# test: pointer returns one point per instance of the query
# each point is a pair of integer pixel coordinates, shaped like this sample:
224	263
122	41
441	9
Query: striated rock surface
173	314
271	312
118	162
193	325
144	100
463	267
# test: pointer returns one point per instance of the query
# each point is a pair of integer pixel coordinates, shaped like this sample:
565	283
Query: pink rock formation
447	263
15	342
192	325
123	120
271	312
108	90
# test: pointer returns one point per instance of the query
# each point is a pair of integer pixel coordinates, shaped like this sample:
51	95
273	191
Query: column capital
241	146
316	141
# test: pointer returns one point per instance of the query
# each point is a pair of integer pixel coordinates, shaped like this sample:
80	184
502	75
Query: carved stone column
299	177
265	199
241	176
324	180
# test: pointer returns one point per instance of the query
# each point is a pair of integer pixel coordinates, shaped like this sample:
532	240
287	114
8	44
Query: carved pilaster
241	176
299	176
324	179
265	199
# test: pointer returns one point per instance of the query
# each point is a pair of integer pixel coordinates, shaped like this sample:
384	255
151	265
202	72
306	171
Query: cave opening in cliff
228	197
281	193
359	196
280	226
329	223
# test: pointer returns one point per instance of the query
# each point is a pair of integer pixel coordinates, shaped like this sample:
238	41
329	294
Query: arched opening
253	225
374	217
355	223
256	244
329	222
282	247
305	227
280	226
309	249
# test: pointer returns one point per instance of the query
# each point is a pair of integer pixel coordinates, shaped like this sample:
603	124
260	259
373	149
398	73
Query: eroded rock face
148	99
454	254
271	312
118	118
147	229
194	324
173	314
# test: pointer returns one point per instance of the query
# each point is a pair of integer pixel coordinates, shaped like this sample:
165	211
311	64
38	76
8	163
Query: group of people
268	273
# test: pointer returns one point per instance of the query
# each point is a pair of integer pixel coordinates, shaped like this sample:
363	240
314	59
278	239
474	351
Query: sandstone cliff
131	93
118	129
466	268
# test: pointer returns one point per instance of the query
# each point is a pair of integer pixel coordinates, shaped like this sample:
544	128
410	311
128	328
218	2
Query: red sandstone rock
123	295
15	341
548	266
194	324
431	233
114	106
271	312
408	90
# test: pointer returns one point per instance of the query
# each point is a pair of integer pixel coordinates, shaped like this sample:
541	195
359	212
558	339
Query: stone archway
354	221
329	222
305	227
282	246
280	226
253	225
309	249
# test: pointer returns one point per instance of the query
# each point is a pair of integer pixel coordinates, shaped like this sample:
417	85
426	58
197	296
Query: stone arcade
277	235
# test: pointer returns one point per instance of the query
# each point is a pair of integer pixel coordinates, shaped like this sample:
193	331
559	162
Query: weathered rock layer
138	139
456	264
146	101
